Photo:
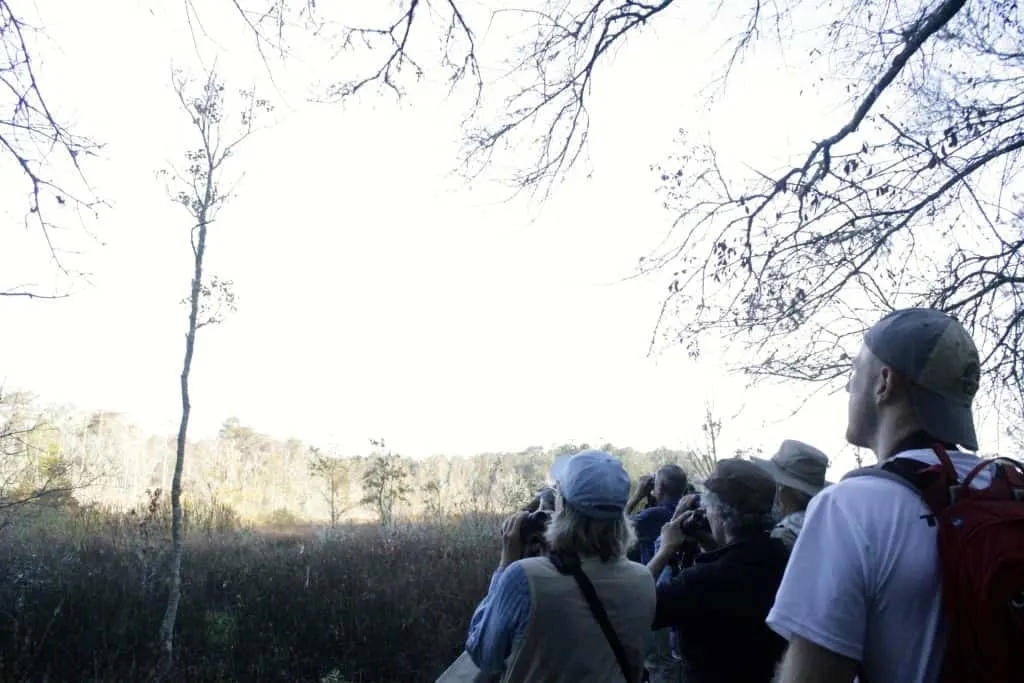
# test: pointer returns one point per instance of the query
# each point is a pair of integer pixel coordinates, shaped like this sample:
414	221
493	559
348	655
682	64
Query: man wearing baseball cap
718	606
798	470
535	623
862	591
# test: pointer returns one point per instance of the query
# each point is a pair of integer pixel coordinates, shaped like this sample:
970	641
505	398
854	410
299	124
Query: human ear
888	387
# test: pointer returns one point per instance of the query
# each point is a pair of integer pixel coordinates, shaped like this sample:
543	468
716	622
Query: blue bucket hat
593	483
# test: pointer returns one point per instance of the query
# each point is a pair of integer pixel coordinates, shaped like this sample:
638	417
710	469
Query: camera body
534	525
698	522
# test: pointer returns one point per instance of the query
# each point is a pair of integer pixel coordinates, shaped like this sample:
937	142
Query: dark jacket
718	608
647	523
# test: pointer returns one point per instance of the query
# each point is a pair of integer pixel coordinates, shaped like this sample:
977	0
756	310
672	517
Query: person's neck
888	440
665	499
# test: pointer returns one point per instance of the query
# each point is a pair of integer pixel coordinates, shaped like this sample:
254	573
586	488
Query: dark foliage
369	605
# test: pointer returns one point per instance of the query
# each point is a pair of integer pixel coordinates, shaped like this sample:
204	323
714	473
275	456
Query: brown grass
82	593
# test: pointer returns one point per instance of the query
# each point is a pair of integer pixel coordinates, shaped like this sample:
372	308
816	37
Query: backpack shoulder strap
882	473
569	563
931	482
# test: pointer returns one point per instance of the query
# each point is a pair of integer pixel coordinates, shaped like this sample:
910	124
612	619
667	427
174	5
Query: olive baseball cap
940	362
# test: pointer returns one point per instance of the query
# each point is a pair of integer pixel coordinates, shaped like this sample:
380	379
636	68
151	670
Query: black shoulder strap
901	470
569	564
914	475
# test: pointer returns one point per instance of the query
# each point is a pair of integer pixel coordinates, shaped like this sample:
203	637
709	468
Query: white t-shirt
863	578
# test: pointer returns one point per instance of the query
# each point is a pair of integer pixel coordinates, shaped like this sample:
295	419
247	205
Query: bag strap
938	485
569	564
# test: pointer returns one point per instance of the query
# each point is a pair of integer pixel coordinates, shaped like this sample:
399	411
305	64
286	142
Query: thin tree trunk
166	660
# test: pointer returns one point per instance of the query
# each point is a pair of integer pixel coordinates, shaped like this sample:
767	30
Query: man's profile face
657	491
861	408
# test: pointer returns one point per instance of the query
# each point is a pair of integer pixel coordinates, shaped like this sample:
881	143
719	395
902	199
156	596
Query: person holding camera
583	612
534	525
663	490
718	605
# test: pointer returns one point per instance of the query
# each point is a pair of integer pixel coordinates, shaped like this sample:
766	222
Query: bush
356	603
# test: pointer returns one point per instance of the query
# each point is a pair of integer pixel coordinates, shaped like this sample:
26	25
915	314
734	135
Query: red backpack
981	561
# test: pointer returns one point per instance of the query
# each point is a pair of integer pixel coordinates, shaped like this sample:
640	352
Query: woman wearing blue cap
584	613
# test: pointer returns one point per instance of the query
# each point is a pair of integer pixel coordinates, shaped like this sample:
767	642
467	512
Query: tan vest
563	643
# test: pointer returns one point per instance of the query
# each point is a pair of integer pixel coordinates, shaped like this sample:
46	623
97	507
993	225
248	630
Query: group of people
769	572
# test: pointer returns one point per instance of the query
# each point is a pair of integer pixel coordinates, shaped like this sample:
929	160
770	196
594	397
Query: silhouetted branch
911	205
32	137
34	497
391	42
544	117
28	294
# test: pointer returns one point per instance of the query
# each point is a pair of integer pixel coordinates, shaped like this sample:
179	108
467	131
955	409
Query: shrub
355	603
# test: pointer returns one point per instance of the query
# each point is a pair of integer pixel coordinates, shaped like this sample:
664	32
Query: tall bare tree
200	190
36	145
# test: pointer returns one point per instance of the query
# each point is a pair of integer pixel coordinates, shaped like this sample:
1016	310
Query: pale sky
378	294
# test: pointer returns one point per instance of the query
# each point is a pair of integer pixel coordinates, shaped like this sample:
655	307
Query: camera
534	525
544	499
697	523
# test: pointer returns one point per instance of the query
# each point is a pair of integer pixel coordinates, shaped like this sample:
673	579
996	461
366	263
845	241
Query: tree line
55	454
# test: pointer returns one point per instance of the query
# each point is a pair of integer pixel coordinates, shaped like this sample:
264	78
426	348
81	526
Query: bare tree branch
48	490
913	199
395	41
28	294
32	138
911	202
544	117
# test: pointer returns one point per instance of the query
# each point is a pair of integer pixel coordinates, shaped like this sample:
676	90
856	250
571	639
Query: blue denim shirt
500	619
648	523
664	579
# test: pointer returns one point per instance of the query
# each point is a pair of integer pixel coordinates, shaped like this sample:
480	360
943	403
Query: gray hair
673	480
734	520
570	531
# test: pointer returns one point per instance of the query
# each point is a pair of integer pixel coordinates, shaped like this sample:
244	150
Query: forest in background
286	572
57	453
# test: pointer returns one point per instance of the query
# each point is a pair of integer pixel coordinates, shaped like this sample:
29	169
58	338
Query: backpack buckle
954	492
